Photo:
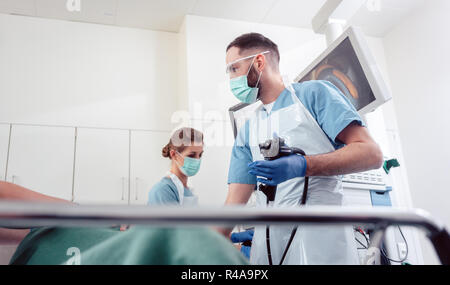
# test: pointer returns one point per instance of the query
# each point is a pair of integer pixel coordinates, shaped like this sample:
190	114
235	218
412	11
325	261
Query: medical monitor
349	65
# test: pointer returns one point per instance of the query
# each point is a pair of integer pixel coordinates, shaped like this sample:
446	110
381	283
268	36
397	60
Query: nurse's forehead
233	54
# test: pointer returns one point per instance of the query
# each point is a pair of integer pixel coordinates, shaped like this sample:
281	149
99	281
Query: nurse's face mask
190	165
245	87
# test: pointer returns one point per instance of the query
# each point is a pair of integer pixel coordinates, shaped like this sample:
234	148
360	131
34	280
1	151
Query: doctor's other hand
242	236
245	250
279	170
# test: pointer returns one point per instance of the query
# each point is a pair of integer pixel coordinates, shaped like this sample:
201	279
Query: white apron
311	244
188	201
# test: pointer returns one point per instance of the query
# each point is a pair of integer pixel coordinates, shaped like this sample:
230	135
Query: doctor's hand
245	250
279	170
242	236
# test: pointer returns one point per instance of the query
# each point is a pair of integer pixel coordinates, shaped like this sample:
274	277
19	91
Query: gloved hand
279	170
242	236
246	250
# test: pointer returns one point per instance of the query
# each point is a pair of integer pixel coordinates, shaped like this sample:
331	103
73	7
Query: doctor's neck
272	86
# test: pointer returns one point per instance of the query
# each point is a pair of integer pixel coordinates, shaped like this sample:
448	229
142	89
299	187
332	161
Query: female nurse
185	149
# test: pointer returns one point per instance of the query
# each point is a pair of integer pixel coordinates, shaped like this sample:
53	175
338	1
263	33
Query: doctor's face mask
244	87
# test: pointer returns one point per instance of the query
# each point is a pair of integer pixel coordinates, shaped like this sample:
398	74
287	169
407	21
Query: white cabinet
86	165
41	159
4	140
148	165
102	166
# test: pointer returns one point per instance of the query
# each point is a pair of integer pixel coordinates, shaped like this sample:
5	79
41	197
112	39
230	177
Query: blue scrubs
165	193
326	103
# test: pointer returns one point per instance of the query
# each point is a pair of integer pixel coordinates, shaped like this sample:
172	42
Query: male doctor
313	116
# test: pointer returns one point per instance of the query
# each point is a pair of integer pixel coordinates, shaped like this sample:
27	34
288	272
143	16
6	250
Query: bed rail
27	215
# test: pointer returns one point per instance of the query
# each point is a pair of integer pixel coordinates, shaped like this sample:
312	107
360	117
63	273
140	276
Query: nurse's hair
257	42
181	139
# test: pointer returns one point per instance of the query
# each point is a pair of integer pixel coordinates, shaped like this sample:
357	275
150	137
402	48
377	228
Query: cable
363	246
383	252
294	231
361	232
269	254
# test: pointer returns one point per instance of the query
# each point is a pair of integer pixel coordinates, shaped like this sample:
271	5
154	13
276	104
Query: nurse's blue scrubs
165	193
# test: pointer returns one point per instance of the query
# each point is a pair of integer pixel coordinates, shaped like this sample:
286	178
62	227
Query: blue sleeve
241	156
331	109
163	194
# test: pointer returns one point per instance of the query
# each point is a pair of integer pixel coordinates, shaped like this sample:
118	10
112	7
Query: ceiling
167	15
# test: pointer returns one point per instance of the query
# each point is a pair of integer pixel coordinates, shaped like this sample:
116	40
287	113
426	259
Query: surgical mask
239	85
190	166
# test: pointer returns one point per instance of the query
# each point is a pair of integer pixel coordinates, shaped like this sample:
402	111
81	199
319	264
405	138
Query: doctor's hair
257	42
181	139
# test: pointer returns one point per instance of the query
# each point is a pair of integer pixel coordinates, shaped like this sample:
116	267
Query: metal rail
26	215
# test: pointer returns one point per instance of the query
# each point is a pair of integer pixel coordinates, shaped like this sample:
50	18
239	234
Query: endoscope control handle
269	191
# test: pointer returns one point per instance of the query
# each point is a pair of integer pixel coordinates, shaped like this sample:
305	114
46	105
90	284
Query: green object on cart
388	164
137	245
406	263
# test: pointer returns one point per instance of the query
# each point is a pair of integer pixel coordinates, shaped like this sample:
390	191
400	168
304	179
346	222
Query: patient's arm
9	191
238	194
12	236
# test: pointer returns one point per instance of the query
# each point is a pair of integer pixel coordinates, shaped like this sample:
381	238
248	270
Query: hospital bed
30	215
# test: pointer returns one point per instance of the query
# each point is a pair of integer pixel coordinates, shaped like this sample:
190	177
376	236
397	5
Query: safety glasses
230	66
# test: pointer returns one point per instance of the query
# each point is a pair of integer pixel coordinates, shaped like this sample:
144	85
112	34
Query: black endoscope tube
270	192
302	202
269	253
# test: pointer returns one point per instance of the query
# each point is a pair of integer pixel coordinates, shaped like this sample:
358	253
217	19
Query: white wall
383	126
69	73
418	60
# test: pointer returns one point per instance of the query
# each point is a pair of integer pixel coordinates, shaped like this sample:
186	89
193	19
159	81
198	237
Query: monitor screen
342	68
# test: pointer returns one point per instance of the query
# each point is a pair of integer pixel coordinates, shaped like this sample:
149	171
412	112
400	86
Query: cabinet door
41	159
148	165
101	166
4	140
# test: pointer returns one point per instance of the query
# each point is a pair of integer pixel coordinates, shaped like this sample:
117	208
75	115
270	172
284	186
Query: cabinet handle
123	188
136	186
